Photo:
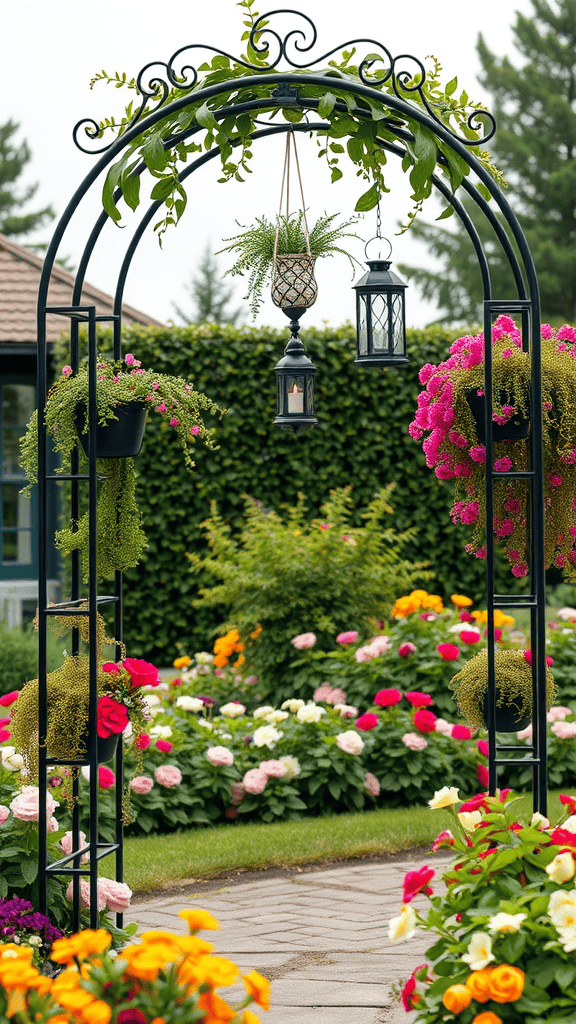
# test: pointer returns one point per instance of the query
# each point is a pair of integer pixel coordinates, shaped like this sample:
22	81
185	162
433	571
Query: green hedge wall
361	439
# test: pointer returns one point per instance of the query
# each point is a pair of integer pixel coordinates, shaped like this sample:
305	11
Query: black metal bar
490	703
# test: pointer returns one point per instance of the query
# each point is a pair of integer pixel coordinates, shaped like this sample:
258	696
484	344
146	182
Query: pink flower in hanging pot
503	465
66	371
161	407
142	673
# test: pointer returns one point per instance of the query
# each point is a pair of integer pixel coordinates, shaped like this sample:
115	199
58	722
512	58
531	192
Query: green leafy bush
19	657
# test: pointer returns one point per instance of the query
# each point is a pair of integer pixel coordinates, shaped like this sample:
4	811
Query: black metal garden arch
284	90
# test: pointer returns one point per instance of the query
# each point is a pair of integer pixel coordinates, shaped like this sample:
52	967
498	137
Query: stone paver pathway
321	937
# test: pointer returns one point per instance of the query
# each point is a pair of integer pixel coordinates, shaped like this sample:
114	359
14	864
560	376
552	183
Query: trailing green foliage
361	439
19	657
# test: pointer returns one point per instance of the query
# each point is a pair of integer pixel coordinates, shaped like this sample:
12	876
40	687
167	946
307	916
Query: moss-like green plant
121	538
513	677
255	247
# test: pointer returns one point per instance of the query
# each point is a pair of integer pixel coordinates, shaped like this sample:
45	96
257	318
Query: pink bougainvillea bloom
164	746
348	637
482	775
161	407
482	747
425	721
512	505
406	649
8	698
449	652
477	453
554	479
142	673
460	732
414	742
528	658
129	359
106	777
195	430
506	353
470	512
417	881
174	422
419	699
168	775
503	464
141	784
367	721
387	698
143	741
371	784
469	636
254	781
303	641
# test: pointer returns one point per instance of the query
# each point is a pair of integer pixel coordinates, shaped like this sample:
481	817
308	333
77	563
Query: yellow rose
444	797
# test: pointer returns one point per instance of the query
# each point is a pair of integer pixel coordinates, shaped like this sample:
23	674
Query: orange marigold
182	662
457	998
487	1017
81	945
199	919
506	983
460	601
479	984
258	987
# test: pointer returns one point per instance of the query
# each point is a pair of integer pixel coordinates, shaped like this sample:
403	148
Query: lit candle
295	400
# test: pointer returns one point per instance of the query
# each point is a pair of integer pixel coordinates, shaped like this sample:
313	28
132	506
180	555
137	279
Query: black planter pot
120	438
106	746
517	428
508	717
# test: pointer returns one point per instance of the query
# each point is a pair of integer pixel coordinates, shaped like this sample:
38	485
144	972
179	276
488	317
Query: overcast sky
52	48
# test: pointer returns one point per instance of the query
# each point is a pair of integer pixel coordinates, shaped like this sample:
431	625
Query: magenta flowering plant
453	439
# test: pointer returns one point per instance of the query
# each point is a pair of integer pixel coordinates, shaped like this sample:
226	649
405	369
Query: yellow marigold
258	988
98	1012
16	973
433	601
191	945
81	945
420	596
75	1000
217	1009
478	982
9	950
460	601
481	1018
506	983
250	1018
218	971
182	662
199	919
404	606
500	619
239	661
144	961
158	1020
457	998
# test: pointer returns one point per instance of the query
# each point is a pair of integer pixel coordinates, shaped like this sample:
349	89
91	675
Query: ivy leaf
425	154
452	86
326	105
368	200
205	117
355	149
131	188
446	213
162	188
153	153
336	174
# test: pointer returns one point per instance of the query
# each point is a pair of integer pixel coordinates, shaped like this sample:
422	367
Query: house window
17	403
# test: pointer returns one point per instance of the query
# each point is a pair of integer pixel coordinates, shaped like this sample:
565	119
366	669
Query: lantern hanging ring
381	239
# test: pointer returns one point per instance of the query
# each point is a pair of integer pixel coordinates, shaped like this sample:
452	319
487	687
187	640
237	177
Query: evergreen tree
13	159
534	101
210	296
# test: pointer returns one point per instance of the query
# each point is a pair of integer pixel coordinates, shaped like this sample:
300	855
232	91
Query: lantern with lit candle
295	381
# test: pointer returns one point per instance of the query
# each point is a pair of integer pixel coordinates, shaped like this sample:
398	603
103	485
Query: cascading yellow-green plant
513	675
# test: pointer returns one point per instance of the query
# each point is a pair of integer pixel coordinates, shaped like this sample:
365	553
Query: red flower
112	717
406	649
8	698
111	666
482	747
367	721
481	775
4	735
106	777
143	741
141	673
4	722
387	698
449	652
568	801
408	995
528	657
460	732
562	837
164	746
475	803
497	634
425	721
131	1016
417	881
443	839
418	699
465	616
468	636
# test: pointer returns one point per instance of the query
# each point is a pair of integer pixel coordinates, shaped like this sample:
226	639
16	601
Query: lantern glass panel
295	384
380	325
397	323
309	396
362	320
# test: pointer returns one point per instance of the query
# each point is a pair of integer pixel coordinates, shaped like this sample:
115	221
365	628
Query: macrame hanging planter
293	283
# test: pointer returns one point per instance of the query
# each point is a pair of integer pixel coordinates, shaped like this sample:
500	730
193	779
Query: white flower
570	823
266	736
539	821
350	742
189	703
566	614
232	710
561	869
562	908
11	760
380	643
160	732
464	627
292	705
404	926
292	766
205	723
189	674
127	734
203	658
506	923
469	819
152	699
444	797
444	727
263	711
276	716
346	710
567	939
310	713
479	952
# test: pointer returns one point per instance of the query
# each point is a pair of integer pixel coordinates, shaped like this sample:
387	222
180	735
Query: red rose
141	673
468	636
106	777
482	775
143	741
460	732
112	667
418	699
9	698
425	721
112	717
417	881
164	746
367	721
387	698
482	747
449	652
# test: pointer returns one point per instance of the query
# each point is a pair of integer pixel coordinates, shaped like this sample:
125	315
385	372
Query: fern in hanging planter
254	247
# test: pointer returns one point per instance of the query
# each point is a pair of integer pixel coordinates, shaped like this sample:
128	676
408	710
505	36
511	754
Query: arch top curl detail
403	76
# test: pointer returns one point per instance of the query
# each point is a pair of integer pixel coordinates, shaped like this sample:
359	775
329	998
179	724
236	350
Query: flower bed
505	923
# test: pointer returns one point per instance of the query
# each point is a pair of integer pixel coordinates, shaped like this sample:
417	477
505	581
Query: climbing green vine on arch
352	132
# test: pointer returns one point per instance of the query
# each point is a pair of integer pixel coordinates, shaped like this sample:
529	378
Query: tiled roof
19	279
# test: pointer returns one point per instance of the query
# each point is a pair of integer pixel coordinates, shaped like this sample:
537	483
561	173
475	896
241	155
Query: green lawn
157	861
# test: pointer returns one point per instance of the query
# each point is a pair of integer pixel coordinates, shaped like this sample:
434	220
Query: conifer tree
210	296
534	101
14	221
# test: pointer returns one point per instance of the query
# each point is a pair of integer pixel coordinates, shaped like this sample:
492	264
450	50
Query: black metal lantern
295	381
380	315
